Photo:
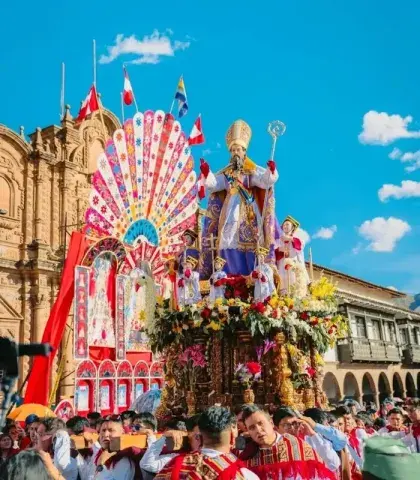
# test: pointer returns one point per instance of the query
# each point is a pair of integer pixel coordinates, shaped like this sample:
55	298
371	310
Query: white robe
229	230
217	292
262	290
289	277
190	293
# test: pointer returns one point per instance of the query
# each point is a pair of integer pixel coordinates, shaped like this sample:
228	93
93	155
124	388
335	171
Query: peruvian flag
128	95
196	135
201	187
89	105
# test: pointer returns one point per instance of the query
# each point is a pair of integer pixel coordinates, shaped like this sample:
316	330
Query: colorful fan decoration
145	188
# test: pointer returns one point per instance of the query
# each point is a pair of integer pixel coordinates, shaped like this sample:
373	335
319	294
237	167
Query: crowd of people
249	443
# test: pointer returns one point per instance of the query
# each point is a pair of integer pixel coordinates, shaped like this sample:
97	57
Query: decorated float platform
221	310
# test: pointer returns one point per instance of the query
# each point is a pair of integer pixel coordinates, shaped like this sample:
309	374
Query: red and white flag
89	105
196	135
128	94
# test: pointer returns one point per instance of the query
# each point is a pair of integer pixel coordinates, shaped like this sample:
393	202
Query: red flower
274	314
311	371
206	312
304	316
228	293
258	307
254	368
315	321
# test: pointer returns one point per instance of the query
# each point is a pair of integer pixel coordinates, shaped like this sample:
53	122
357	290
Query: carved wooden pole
284	386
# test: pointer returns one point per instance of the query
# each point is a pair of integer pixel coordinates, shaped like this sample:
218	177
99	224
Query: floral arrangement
191	360
247	373
313	319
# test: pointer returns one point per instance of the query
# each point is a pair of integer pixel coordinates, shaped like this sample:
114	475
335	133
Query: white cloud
148	50
356	250
326	233
408	188
380	128
383	234
413	158
303	235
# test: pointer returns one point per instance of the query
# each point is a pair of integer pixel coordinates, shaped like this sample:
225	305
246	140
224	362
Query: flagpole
173	101
62	95
101	116
122	107
94	62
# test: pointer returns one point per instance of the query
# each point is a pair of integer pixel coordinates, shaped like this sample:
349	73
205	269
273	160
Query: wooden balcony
365	350
411	354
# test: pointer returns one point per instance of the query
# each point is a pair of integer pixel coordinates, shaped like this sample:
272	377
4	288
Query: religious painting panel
81	326
102	301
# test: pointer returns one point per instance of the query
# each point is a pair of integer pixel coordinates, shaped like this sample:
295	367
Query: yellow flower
218	301
288	302
197	323
322	288
273	302
231	301
214	326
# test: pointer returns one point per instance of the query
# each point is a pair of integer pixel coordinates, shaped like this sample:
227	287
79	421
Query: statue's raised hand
204	167
271	164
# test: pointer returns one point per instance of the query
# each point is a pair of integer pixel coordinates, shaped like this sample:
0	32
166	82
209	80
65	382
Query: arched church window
6	196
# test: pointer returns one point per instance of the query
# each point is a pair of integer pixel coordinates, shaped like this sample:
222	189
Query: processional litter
226	305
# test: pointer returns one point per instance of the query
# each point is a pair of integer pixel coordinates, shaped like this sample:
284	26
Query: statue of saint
217	285
236	206
263	277
290	259
188	291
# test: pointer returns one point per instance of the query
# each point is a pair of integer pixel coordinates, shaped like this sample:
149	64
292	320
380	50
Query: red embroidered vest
196	466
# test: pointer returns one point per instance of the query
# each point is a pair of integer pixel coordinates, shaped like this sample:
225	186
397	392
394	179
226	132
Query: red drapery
39	378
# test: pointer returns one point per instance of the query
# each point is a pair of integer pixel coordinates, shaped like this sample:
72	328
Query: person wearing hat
237	204
188	291
289	251
217	285
189	249
262	277
169	283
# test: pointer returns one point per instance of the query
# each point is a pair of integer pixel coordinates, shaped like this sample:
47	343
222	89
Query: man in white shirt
287	421
107	465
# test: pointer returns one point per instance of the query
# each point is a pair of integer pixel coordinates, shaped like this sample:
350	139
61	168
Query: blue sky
318	66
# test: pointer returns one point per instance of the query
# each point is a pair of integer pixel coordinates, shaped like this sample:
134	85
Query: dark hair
379	423
341	411
95	416
148	420
192	422
251	409
32	418
239	409
331	418
395	411
3	435
26	465
128	415
53	423
317	415
77	424
282	412
175	424
214	421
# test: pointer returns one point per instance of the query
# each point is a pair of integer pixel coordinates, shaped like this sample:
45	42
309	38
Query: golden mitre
292	220
239	133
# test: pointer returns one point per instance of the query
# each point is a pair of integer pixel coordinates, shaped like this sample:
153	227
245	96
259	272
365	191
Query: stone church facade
44	190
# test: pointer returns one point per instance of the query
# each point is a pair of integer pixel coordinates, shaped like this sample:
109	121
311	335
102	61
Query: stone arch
384	388
16	141
351	387
410	386
331	388
7	195
397	385
368	388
